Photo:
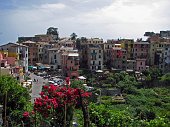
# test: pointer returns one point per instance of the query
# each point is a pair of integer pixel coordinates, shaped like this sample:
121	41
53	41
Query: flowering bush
56	101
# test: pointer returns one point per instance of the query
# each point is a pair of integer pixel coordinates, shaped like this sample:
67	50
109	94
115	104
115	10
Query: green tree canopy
17	96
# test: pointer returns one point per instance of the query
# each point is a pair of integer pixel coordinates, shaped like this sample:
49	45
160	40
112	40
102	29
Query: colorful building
95	57
54	58
16	55
141	64
32	52
70	64
118	58
128	45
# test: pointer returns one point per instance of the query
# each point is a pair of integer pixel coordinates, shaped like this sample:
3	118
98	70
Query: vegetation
17	98
118	100
145	105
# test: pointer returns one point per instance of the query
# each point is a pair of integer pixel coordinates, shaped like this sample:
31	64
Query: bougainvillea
54	100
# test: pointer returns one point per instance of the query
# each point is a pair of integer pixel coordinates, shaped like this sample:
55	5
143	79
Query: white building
54	58
95	57
167	56
45	52
19	51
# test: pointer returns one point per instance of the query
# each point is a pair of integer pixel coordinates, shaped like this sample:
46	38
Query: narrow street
36	86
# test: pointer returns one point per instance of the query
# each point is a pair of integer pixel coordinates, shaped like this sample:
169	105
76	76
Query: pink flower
45	87
46	97
86	94
32	112
68	80
49	107
26	114
42	93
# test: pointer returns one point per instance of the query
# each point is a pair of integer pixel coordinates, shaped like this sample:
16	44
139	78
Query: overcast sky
107	19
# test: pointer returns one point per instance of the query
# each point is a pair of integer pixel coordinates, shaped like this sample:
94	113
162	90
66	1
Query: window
55	57
93	62
99	51
93	51
99	62
140	63
71	61
99	56
92	67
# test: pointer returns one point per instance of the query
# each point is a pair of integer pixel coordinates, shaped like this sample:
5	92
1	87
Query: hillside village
70	54
79	81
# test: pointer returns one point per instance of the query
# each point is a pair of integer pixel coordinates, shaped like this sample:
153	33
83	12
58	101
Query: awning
99	71
81	77
32	67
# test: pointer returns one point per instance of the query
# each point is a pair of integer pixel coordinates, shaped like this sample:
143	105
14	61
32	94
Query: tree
78	84
128	85
73	36
17	97
53	32
166	79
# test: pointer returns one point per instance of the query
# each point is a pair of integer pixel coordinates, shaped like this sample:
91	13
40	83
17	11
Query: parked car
51	82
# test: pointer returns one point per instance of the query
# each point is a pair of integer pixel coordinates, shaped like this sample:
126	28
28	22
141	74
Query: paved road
36	86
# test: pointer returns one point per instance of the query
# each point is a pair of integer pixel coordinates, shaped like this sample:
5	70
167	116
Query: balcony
73	58
93	53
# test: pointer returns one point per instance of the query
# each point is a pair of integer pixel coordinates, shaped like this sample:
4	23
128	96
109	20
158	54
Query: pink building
141	65
70	64
3	61
118	58
141	51
11	60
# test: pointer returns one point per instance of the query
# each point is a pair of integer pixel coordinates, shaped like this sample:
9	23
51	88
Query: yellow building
128	44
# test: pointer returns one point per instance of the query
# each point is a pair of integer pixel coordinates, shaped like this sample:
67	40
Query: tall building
128	45
46	47
118	58
95	57
107	48
167	57
54	58
32	52
70	63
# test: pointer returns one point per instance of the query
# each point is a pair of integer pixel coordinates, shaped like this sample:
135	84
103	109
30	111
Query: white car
52	82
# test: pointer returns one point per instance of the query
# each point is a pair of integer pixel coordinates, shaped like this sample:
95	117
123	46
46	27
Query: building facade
70	64
16	54
32	52
118	58
95	57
